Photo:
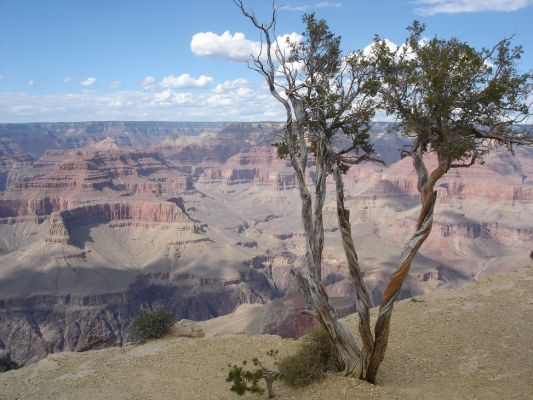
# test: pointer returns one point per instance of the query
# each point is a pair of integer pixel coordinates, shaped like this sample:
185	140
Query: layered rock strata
93	228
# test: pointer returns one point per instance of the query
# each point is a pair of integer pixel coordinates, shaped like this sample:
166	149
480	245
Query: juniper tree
327	96
456	103
453	101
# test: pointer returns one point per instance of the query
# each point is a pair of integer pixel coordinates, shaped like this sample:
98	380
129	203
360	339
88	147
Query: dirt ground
475	342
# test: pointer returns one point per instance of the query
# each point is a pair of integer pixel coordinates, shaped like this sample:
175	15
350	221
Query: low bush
151	323
313	359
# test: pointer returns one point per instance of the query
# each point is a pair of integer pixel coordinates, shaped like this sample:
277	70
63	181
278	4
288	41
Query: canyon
98	219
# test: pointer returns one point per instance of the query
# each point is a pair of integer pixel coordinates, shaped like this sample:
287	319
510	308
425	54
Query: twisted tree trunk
295	136
348	353
428	197
362	299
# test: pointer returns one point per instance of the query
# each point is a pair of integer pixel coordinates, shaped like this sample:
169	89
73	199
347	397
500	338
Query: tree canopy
452	97
456	102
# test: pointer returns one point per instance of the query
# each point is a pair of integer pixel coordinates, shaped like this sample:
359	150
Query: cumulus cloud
432	7
115	84
231	84
185	81
244	92
67	79
368	51
88	82
307	7
163	97
148	83
247	103
32	82
234	47
2	77
168	97
288	37
220	100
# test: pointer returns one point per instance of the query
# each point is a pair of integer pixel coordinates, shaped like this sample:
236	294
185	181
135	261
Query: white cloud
307	7
163	97
67	79
432	7
288	37
368	51
244	92
220	100
2	77
231	84
148	83
252	103
115	103
291	67
115	84
232	47
183	98
237	89
168	97
88	82
185	81
32	83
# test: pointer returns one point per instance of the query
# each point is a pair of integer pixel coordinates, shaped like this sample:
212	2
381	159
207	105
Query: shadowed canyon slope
98	219
442	346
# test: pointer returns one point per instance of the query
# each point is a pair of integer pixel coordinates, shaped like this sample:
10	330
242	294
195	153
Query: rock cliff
106	217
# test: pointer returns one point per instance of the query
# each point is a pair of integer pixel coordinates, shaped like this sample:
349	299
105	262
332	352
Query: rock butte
97	219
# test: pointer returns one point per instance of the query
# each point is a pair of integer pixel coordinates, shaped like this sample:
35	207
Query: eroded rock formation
106	217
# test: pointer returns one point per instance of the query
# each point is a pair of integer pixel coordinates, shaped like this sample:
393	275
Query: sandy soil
470	343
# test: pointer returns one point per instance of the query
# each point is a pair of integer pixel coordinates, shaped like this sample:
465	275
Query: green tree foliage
336	91
248	380
151	323
455	100
315	357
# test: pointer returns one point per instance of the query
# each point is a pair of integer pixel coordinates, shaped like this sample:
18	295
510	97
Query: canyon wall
99	219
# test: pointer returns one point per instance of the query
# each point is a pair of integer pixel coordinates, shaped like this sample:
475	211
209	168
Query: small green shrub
314	358
247	380
151	323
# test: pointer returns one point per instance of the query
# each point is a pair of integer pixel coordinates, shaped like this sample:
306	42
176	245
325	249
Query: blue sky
77	60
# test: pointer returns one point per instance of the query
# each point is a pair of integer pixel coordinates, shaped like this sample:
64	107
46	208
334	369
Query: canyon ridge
98	219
